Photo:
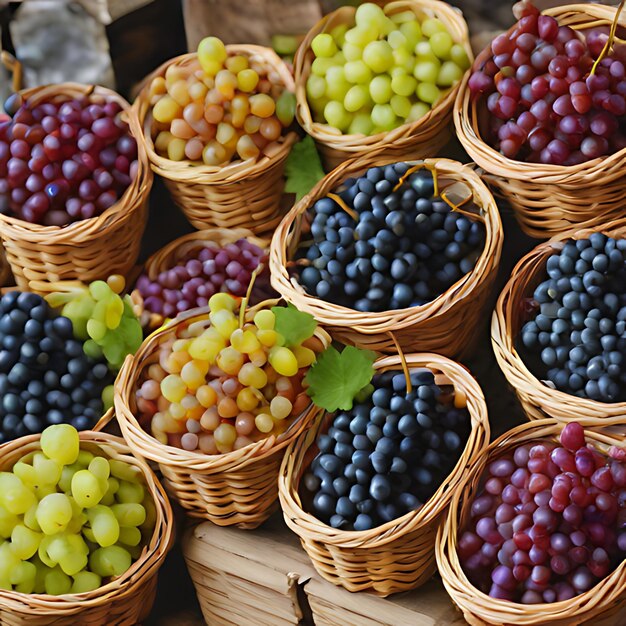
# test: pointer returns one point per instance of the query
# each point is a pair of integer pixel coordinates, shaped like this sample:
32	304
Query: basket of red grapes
543	114
379	246
536	535
365	489
559	328
73	184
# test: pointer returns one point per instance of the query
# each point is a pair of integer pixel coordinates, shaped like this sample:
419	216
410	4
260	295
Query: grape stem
344	206
609	42
405	367
246	299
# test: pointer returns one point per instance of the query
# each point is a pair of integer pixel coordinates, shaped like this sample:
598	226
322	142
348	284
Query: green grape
429	93
42	552
40	575
47	469
113	350
401	106
356	72
65	482
356	98
459	56
404	61
26	473
338	33
85	581
105	525
107	397
24	541
323	45
402	17
361	35
380	89
403	85
96	329
352	52
15	497
285	109
113	313
125	471
69	551
320	66
8	521
131	333
100	290
8	562
113	486
369	13
361	124
336	84
397	40
423	49
23	576
441	44
130	514
426	71
57	583
79	311
151	515
128	492
110	561
130	536
30	519
101	469
378	56
54	513
431	26
336	115
92	349
384	117
449	74
412	33
86	489
61	443
315	87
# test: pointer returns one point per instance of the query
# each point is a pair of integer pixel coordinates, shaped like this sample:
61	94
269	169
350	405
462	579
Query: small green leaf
293	325
303	168
336	377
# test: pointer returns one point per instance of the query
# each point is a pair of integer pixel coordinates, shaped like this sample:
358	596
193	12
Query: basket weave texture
88	249
549	199
236	488
447	324
415	140
597	606
126	600
538	399
400	554
242	194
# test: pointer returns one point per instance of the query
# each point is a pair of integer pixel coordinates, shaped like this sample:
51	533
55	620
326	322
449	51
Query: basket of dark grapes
186	272
215	397
536	535
409	248
559	327
372	78
365	489
74	186
543	113
89	527
218	127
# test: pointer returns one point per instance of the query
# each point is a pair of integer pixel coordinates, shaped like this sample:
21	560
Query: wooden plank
252	577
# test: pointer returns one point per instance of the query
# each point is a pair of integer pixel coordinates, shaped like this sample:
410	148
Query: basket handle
15	67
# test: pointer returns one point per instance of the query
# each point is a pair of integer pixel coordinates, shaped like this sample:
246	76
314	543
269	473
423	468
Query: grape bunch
219	386
578	334
388	455
406	247
70	520
219	108
203	272
549	522
547	104
61	162
45	376
102	318
383	72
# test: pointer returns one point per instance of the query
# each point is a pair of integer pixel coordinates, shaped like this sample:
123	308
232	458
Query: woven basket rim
326	134
115	213
469	598
306	524
466	125
190	171
371	323
507	355
144	444
146	565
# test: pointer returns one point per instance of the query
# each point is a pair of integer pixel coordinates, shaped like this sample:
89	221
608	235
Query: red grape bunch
547	102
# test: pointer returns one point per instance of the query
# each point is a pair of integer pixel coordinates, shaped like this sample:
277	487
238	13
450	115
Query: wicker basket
549	199
597	606
175	251
447	324
537	399
88	249
6	277
242	194
237	488
400	554
124	601
415	140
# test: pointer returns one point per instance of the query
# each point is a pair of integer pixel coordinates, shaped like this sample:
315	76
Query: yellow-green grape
315	87
96	329
244	340
286	108
264	319
458	54
114	312
48	471
403	85
57	583
401	106
110	561
30	520
252	376
23	577
124	471
166	109
8	521
222	301
336	83
357	72
427	70
361	35
224	322
54	513
128	492
449	74
15	497
107	397
225	435
378	56
193	374
432	25
323	45
351	52
130	536
85	581
129	513
283	361
412	32
402	16
26	473
383	116
85	457
211	54
336	115
280	407
264	422
338	33
356	98
100	468
173	388
304	356
429	93
380	89
105	525
441	44
361	124
24	541
247	399
397	40
87	490
369	13
230	360
110	494
404	62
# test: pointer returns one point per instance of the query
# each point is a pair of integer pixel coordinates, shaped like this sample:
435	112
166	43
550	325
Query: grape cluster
406	247
546	104
388	455
61	162
219	107
579	331
205	271
45	377
548	523
383	72
70	520
218	387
